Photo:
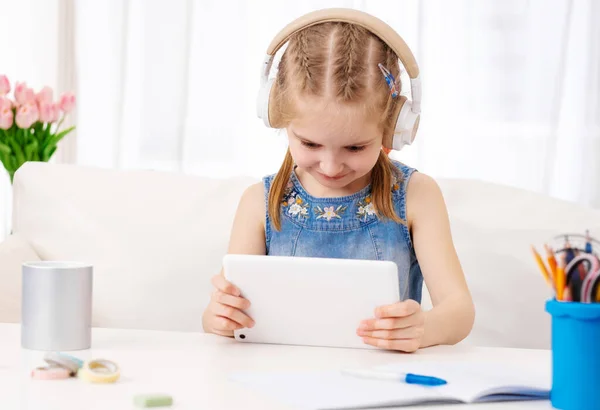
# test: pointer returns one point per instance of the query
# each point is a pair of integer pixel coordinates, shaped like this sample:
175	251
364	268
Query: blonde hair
336	61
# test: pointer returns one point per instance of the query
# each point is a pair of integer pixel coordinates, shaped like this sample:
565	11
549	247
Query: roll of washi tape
99	371
50	373
70	363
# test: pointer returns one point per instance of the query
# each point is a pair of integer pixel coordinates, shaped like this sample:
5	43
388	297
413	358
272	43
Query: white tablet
310	301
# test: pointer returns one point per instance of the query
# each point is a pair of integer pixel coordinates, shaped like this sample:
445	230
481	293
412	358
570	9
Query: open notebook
467	383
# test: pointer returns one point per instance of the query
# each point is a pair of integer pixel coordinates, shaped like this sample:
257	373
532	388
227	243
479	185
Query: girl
337	193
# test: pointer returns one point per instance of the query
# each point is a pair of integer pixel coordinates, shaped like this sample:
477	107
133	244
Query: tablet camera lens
242	336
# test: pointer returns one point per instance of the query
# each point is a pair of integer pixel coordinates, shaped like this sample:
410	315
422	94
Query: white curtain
511	89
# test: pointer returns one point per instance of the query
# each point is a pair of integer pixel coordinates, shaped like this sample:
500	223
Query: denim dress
346	227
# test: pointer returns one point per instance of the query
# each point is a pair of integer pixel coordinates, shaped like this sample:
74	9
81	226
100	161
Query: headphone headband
371	23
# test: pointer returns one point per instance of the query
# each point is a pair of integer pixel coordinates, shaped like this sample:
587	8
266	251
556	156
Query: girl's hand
399	326
224	313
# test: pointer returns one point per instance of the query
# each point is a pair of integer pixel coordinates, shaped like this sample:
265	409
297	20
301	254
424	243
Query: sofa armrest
13	252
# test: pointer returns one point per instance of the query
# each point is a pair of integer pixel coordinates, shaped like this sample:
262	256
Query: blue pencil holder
575	355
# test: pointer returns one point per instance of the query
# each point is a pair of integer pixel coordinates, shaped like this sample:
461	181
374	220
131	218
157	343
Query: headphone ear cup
406	125
262	101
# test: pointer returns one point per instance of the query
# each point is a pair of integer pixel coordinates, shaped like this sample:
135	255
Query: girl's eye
310	145
355	148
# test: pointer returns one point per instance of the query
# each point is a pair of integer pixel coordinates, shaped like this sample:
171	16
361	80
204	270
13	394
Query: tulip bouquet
30	124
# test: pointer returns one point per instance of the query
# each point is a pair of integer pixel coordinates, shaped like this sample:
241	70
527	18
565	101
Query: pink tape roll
50	373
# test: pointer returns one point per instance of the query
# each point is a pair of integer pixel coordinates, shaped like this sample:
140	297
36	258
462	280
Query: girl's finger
223	326
389	323
406	333
224	285
230	300
233	314
404	345
400	309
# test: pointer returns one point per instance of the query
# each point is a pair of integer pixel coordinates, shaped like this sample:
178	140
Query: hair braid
350	62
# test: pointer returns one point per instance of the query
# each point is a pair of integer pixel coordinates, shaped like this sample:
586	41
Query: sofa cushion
154	238
14	251
493	227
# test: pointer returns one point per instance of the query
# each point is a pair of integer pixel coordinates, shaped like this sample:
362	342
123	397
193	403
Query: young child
338	195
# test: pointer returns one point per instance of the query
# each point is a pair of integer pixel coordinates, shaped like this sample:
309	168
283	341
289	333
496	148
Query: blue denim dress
346	227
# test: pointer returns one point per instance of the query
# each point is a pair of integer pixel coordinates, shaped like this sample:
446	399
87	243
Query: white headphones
408	113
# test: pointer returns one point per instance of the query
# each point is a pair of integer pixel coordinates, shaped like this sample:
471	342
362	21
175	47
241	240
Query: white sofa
156	238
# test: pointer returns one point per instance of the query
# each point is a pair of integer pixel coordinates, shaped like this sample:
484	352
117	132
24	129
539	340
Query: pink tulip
67	102
55	112
27	115
20	87
6	121
46	112
29	96
6	114
45	95
10	103
23	94
5	102
4	85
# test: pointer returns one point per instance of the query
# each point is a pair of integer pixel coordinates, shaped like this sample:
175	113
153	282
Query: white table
194	368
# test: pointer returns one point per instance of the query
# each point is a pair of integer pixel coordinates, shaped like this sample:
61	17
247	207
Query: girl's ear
386	150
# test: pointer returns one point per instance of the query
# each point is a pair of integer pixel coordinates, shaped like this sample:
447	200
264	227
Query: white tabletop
194	369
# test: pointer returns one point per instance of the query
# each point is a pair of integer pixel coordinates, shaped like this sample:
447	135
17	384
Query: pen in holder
573	273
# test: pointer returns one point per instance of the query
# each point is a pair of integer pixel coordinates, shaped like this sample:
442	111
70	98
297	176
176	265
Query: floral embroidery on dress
329	212
296	206
287	192
395	185
365	208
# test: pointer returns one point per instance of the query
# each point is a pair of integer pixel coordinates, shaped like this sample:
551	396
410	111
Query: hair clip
389	79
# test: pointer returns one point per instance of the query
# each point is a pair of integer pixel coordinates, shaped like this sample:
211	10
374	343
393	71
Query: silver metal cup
56	306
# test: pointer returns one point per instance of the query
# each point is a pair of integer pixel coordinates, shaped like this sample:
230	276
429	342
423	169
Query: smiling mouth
334	178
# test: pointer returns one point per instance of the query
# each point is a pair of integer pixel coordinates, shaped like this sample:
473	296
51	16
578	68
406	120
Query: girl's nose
331	168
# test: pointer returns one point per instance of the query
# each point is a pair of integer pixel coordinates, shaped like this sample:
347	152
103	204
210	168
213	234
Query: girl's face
335	144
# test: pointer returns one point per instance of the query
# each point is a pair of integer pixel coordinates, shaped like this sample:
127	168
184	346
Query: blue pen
410	378
588	242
